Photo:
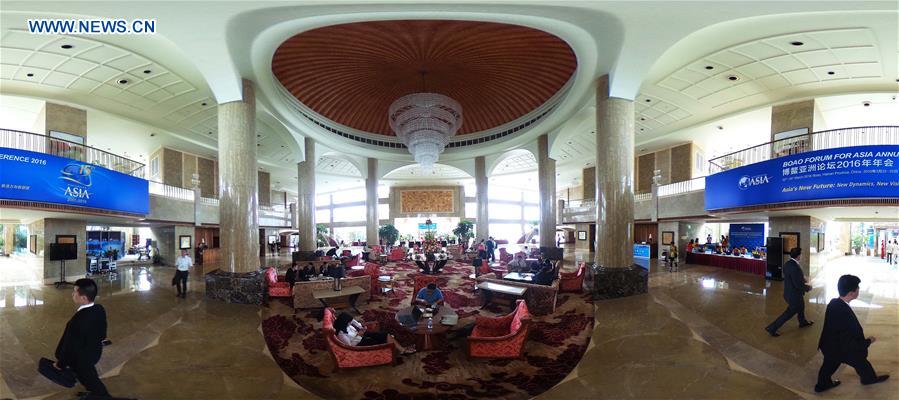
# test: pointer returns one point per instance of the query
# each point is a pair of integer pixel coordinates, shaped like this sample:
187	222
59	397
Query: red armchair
276	287
346	356
374	271
572	281
422	281
354	261
504	255
500	337
397	254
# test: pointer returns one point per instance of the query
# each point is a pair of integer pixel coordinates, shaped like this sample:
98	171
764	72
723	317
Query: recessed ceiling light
866	103
831	73
123	81
203	104
797	43
29	75
733	78
709	67
209	132
720	127
642	119
67	46
648	100
641	129
152	134
257	145
147	71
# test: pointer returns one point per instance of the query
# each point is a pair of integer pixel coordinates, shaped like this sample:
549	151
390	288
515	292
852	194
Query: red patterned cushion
328	319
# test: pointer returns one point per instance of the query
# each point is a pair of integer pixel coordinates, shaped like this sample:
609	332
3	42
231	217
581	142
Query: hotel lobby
608	199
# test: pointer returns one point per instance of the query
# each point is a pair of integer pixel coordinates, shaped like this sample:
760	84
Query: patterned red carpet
556	344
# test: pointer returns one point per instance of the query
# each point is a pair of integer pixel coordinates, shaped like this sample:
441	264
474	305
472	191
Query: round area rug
556	344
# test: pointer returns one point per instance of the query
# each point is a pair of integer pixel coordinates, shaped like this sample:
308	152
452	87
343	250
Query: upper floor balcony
687	199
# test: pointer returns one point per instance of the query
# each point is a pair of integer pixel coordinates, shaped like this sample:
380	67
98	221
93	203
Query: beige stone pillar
480	180
306	197
546	168
616	275
238	201
371	203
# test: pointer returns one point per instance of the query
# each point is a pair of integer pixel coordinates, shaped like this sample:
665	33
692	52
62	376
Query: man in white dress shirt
182	269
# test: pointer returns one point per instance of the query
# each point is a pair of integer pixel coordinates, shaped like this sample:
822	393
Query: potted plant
857	242
389	234
464	231
321	231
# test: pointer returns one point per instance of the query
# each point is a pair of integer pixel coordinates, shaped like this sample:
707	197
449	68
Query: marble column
306	197
238	198
480	180
616	275
371	203
238	280
546	168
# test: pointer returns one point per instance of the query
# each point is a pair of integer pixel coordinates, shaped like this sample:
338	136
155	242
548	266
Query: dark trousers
181	281
424	267
87	375
491	256
796	306
373	338
889	258
862	367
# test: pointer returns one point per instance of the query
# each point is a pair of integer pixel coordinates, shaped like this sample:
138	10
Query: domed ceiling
351	73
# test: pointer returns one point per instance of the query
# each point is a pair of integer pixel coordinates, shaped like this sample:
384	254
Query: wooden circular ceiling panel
351	73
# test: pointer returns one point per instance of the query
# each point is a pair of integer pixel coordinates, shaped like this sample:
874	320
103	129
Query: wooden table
491	288
350	292
519	277
427	339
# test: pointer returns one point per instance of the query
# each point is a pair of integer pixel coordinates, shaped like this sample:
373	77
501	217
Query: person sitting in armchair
545	275
353	333
518	264
429	296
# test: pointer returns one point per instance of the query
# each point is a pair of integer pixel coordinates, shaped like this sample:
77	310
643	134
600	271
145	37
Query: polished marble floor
696	335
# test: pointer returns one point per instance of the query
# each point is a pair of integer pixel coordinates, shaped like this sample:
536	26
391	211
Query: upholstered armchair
397	254
422	281
504	255
346	356
500	337
354	261
373	271
276	287
572	281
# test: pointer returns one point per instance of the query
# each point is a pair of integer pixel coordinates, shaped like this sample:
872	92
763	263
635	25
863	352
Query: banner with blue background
843	173
749	235
30	176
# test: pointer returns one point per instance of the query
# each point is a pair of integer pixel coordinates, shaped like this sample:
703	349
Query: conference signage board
427	227
749	235
641	251
844	173
30	176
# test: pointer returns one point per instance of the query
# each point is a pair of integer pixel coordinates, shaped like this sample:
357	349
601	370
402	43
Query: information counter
745	264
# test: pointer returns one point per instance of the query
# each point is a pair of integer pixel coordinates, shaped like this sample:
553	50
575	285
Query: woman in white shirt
353	333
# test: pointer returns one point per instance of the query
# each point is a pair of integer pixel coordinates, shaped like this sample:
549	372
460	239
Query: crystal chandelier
425	122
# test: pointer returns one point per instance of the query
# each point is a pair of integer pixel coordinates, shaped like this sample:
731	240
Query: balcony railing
63	148
682	187
172	192
831	139
642	196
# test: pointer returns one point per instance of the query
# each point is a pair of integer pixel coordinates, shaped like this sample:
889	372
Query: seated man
440	262
332	252
545	276
518	264
337	271
429	296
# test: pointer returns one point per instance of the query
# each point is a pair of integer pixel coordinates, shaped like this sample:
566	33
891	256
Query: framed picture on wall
790	239
184	242
667	237
66	239
581	235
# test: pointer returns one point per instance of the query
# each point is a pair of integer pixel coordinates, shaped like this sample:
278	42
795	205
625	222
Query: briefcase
64	377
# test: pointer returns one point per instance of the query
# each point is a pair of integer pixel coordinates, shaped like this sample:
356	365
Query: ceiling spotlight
709	67
866	103
152	134
147	71
641	129
797	43
720	128
733	78
123	81
210	132
642	119
648	100
29	75
67	46
831	73
203	104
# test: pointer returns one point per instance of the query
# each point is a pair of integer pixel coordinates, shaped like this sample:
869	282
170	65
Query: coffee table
519	277
427	339
491	288
330	297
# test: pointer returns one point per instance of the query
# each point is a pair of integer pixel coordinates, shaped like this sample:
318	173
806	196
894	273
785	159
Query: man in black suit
491	248
81	345
843	341
794	291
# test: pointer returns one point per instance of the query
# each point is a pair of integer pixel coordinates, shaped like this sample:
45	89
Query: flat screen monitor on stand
62	252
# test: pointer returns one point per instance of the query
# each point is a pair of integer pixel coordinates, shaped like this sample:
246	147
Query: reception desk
745	264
